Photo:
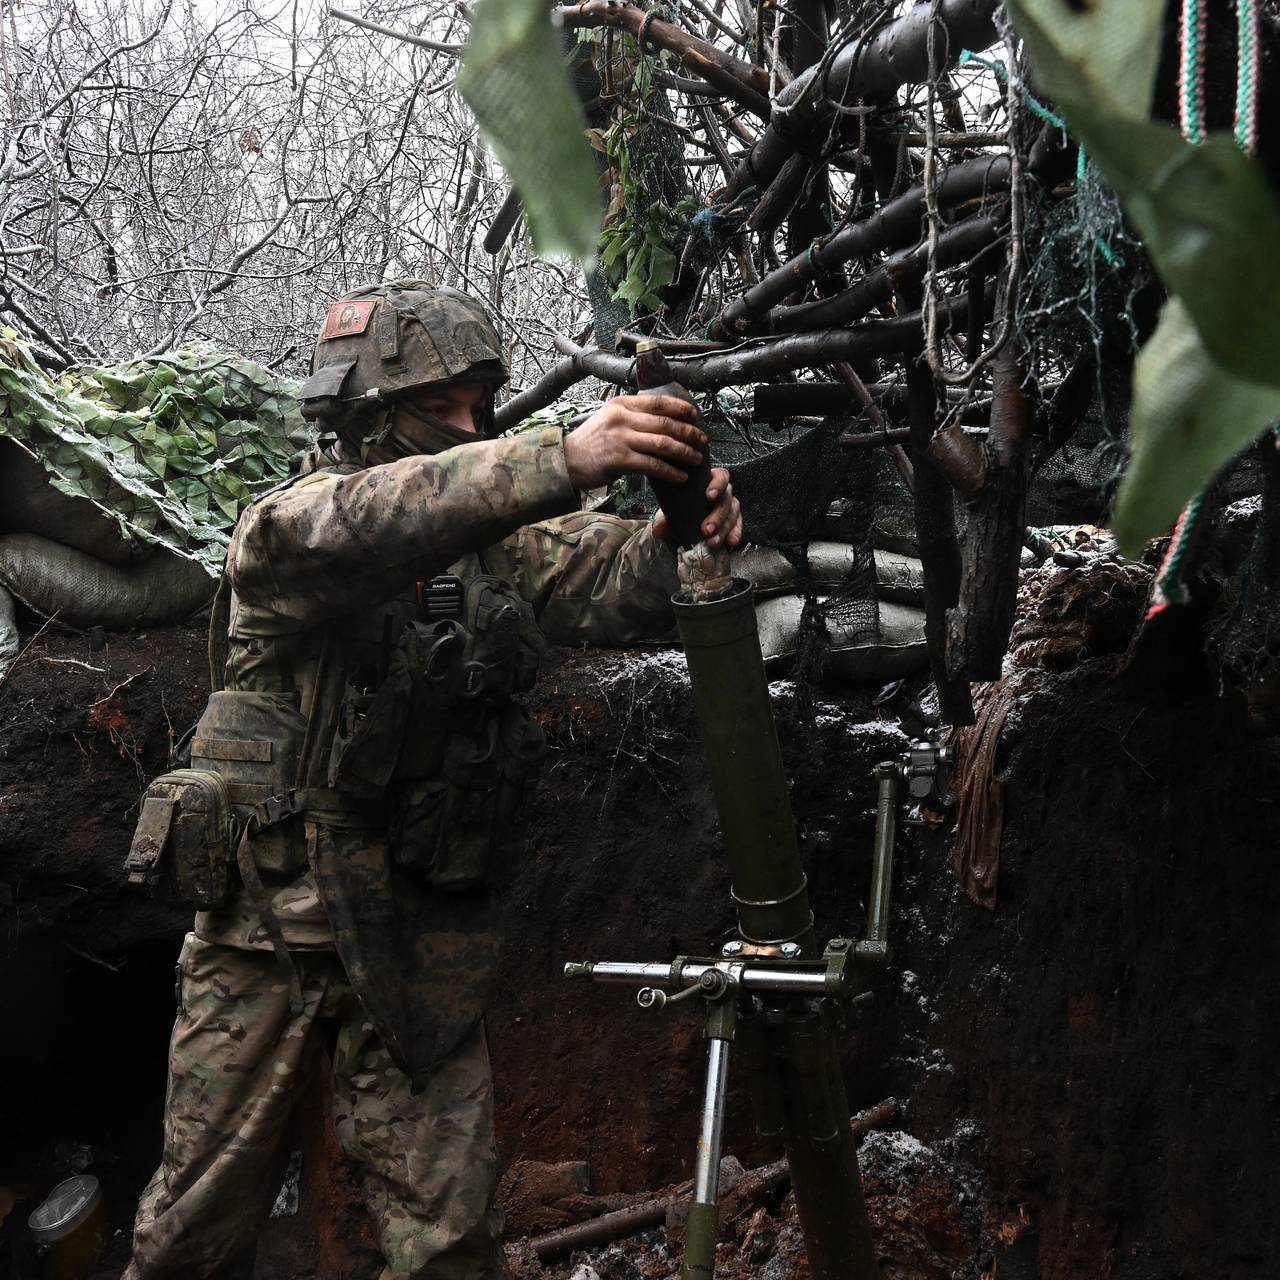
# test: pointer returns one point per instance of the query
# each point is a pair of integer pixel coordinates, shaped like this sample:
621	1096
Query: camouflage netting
643	198
786	498
170	448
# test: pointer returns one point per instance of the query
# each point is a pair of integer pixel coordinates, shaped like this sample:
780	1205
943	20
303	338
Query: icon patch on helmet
347	318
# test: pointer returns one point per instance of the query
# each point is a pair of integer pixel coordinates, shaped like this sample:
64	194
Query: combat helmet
380	341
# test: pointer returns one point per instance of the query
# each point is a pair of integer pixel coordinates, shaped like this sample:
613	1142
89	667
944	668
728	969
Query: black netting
656	157
787	495
1086	296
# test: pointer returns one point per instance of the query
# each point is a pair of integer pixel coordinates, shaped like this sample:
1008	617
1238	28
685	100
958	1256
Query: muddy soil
1088	1066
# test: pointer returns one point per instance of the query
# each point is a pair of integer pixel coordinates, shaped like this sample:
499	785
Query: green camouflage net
171	448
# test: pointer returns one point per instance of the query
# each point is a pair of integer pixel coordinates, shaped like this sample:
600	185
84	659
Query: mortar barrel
731	693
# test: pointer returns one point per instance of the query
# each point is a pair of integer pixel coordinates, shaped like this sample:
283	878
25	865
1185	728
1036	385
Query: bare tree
173	171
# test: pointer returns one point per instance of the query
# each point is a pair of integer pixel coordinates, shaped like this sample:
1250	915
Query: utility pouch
398	729
252	741
182	846
454	828
504	645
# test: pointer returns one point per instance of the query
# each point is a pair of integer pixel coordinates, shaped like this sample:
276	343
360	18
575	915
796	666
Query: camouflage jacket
345	541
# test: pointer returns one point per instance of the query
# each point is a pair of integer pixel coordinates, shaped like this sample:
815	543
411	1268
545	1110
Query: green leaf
513	78
1106	50
616	247
1190	416
1211	224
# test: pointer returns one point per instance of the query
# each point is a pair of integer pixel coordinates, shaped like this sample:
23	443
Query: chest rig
400	719
431	733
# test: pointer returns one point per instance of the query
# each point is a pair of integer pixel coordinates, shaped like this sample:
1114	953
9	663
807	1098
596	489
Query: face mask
434	431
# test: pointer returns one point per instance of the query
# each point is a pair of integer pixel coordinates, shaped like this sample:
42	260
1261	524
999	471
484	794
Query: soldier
377	614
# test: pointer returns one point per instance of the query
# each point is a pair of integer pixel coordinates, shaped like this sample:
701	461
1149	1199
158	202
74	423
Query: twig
90	957
124	684
13	666
73	662
421	41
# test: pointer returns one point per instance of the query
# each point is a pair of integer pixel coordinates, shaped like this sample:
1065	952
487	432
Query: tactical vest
386	751
401	718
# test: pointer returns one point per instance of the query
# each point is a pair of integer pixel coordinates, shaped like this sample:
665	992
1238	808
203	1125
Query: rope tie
1246	124
1192	30
1109	255
658	11
1001	73
815	246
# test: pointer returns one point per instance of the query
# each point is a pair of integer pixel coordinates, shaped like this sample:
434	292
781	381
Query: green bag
182	847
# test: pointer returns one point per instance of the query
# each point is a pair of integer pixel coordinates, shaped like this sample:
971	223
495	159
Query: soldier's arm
591	577
342	542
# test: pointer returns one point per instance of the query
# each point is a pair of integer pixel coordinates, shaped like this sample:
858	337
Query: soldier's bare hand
657	436
724	521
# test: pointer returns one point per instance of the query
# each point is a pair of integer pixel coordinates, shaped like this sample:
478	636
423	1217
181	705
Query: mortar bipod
743	972
788	1003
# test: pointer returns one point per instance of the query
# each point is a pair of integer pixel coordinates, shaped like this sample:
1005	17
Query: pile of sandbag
897	648
120	485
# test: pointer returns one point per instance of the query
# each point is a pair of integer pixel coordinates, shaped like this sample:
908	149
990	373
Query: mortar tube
731	694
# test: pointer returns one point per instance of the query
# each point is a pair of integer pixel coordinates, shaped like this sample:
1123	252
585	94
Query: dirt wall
1099	1048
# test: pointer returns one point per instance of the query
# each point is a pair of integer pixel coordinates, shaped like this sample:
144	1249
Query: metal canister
69	1229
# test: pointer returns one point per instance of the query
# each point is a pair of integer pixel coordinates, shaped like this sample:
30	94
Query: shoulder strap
219	621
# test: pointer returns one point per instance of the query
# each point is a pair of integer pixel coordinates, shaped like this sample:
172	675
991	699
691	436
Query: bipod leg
700	1233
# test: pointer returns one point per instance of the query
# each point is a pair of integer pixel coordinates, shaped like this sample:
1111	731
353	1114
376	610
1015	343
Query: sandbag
51	578
8	633
898	577
898	649
30	504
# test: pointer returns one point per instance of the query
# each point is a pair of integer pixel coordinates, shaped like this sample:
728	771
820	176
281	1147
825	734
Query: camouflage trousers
238	1063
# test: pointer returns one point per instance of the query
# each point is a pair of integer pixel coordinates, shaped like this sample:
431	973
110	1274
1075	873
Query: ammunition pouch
440	742
252	741
182	846
453	829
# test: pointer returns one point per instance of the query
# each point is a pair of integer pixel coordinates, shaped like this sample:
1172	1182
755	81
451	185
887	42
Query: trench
1083	1077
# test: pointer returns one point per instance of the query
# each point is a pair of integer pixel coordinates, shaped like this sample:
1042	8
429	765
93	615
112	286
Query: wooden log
754	1186
626	339
960	458
772	401
895	224
503	222
805	41
876	439
746	84
848	375
955	245
979	626
780	197
896	55
939	547
748	363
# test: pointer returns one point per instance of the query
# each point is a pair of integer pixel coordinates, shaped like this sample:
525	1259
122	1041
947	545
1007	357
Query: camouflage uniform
343	548
239	1060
